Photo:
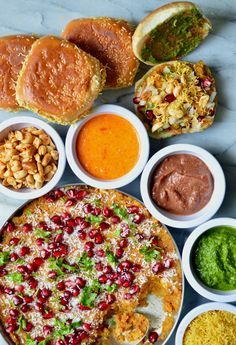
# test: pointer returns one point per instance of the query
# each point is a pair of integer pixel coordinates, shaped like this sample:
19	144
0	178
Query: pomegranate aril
13	257
111	298
31	267
10	321
9	291
140	237
169	98
75	291
126	264
134	289
138	218
24	251
39	241
38	261
90	253
103	279
33	283
98	239
125	232
104	226
103	305
45	254
136	100
58	238
50	198
115	219
82	235
9	227
46	293
152	337
107	212
19	288
52	274
80	194
132	209
140	108
22	269
70	202
107	270
83	225
24	308
65	215
128	296
87	208
61	286
69	283
39	306
149	114
3	271
28	299
63	301
14	241
88	246
56	219
71	222
158	267
48	315
42	225
123	243
168	263
101	253
47	330
83	307
96	211
14	313
12	328
99	266
67	294
92	233
154	241
80	282
206	82
17	300
58	193
87	327
119	253
136	267
68	229
27	227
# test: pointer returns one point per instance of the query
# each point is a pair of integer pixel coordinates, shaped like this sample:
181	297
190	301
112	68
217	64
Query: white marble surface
218	51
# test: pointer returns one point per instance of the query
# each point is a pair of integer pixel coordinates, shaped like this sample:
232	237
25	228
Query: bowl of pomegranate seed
32	158
109	148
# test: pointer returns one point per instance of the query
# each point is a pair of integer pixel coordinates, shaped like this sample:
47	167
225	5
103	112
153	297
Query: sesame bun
176	97
110	41
145	32
59	81
13	50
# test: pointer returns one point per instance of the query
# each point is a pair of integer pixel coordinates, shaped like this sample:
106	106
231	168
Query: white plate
197	311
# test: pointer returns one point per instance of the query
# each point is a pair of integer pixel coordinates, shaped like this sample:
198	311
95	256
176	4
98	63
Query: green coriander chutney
214	258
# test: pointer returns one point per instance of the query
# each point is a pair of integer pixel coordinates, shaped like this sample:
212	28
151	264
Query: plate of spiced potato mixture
81	261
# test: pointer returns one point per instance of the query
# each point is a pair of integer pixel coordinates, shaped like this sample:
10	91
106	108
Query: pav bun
170	32
13	50
110	41
59	81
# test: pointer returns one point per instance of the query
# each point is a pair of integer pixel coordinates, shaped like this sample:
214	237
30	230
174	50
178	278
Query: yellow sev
215	327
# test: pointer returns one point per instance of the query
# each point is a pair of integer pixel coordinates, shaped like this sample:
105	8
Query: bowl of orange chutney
108	148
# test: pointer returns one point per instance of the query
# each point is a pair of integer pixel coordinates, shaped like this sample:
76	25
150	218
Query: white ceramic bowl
190	274
26	121
179	221
82	174
197	311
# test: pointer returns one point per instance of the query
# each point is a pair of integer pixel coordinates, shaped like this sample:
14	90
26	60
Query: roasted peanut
46	159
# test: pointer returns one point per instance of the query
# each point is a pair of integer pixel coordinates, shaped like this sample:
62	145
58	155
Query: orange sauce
107	146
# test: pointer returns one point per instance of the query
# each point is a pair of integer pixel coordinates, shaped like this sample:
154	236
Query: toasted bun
59	81
13	50
158	17
176	97
110	41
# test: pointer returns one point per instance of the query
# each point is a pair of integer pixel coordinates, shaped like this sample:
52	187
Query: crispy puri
176	97
59	81
110	41
13	50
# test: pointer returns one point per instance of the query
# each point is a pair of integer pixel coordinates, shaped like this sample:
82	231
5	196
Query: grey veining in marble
218	51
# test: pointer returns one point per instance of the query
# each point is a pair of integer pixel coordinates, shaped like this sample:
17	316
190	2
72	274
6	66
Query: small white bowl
197	311
182	221
189	271
26	121
82	174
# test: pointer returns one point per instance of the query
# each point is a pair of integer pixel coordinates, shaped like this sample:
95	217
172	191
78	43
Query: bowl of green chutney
209	259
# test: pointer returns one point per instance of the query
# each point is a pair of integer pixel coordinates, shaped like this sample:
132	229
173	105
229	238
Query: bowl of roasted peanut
32	158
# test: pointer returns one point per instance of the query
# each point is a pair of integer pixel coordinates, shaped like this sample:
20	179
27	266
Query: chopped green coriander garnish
42	233
111	258
150	253
90	293
15	277
94	219
4	258
111	288
85	263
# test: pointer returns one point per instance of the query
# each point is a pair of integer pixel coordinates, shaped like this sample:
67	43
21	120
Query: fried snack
110	41
170	32
13	50
59	81
28	158
176	97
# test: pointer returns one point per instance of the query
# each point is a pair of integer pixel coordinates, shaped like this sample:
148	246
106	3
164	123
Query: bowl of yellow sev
209	323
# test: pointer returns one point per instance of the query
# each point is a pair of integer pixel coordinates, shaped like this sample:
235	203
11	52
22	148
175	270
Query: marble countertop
218	51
